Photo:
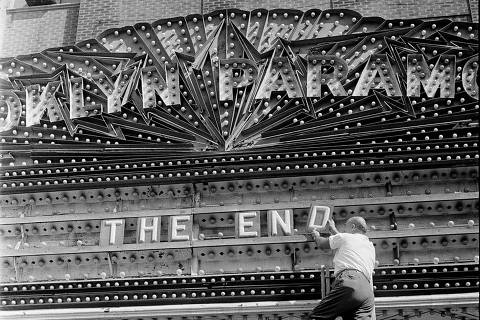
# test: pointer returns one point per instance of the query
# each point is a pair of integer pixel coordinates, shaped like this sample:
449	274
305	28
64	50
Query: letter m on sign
430	77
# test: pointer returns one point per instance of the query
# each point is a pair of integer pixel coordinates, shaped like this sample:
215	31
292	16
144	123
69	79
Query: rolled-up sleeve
336	241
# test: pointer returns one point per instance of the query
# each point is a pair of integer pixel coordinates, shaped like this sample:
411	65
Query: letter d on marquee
318	217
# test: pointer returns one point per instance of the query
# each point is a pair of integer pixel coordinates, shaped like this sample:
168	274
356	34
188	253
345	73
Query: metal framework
204	118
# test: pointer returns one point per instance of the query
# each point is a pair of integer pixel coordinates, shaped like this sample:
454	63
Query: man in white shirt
351	296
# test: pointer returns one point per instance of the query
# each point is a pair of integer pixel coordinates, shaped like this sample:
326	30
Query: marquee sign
247	225
237	79
174	162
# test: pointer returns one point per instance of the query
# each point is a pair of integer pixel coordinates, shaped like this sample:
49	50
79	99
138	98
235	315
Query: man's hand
321	242
311	236
331	226
330	223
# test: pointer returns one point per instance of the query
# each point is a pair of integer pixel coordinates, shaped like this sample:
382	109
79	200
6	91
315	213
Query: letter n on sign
318	217
280	222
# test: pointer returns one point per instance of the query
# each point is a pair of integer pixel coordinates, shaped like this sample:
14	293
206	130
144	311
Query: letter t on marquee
111	232
318	217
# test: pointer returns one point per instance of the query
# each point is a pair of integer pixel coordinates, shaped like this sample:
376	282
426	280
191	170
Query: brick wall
458	9
210	5
390	9
98	15
28	30
474	10
33	30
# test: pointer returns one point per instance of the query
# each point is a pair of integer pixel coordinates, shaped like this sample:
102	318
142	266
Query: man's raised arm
331	226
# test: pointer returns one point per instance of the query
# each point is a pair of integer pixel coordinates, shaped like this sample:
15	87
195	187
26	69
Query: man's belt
356	270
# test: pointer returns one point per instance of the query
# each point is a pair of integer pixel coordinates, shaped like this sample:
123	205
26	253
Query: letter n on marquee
280	222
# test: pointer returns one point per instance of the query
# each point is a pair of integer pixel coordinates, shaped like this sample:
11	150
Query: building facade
26	29
169	161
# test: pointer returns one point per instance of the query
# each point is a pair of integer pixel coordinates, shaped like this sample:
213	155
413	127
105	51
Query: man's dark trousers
351	298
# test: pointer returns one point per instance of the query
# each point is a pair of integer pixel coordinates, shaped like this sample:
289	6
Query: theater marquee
232	81
174	168
247	225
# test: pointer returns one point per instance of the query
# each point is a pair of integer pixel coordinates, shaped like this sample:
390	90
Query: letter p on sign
318	217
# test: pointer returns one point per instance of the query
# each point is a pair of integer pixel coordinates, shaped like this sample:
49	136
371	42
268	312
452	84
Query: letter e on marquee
318	217
179	228
247	224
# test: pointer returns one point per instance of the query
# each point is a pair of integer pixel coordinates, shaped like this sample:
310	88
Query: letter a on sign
318	217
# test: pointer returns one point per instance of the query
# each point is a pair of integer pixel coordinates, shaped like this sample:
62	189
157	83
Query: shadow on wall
30	29
70	28
29	15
